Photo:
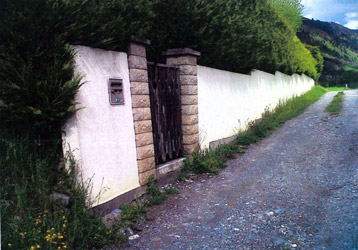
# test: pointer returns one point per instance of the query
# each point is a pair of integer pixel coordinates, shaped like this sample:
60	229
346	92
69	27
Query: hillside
339	47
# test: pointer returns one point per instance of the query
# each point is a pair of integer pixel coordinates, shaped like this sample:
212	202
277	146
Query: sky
344	12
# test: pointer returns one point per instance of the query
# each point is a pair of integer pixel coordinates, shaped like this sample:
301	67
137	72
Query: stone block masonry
186	60
138	75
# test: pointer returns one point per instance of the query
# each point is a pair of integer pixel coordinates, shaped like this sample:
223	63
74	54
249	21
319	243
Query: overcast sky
344	12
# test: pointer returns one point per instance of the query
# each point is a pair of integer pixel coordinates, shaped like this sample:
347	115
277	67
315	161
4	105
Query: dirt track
296	189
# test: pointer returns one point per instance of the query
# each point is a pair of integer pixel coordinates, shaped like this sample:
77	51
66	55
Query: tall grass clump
30	218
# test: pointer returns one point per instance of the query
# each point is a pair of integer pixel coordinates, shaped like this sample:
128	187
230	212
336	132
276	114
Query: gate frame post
186	60
138	76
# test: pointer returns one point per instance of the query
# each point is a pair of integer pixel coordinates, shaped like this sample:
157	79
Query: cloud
352	20
353	25
331	10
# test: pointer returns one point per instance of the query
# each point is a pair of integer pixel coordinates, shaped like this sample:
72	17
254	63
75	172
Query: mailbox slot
115	91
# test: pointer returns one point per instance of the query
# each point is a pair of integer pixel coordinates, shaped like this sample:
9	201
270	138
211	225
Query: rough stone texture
296	189
189	99
189	109
189	119
142	126
138	75
144	139
137	50
190	139
137	62
140	114
190	129
140	101
188	70
190	149
145	152
188	80
143	177
146	164
182	60
189	90
111	219
139	88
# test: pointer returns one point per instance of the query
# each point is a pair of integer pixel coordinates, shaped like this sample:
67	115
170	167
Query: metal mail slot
115	91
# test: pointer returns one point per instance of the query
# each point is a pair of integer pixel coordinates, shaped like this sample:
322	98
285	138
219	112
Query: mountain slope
338	45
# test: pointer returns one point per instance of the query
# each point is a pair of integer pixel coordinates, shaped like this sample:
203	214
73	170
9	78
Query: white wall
102	135
228	101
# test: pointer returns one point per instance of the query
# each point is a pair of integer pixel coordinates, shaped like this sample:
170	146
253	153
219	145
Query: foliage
272	119
171	191
348	77
335	106
231	35
37	82
291	11
211	161
132	213
157	197
30	217
316	53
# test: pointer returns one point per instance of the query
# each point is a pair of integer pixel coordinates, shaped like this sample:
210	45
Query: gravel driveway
296	189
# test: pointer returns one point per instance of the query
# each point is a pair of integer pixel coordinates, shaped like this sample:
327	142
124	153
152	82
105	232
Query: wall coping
181	52
140	40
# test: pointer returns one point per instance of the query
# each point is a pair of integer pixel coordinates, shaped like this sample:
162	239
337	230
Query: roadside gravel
296	189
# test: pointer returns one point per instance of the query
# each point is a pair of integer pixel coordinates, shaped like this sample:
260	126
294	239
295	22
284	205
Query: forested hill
339	47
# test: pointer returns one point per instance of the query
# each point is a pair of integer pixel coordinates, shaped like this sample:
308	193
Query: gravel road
296	189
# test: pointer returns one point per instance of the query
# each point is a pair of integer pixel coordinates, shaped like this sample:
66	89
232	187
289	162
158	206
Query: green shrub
157	197
335	106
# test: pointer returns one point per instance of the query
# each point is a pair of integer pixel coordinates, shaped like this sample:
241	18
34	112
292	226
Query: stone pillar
186	60
138	76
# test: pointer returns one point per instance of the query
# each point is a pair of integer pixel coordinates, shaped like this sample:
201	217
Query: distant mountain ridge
338	45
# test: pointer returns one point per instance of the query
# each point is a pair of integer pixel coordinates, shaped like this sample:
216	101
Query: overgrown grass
335	106
213	160
330	89
30	173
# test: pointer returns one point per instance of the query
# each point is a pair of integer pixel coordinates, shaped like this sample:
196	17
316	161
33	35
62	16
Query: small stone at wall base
112	218
64	199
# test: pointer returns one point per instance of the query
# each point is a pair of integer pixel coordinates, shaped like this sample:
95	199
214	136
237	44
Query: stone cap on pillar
181	52
140	40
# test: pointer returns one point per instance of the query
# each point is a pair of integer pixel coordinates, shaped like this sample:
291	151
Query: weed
157	197
335	106
211	161
171	191
183	175
132	213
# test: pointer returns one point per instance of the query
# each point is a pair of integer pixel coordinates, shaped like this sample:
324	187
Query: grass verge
335	106
330	89
212	161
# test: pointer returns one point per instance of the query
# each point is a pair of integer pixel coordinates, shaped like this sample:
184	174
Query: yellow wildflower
38	246
64	225
9	244
32	247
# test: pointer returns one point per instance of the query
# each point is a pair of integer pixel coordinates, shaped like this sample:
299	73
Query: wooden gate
164	89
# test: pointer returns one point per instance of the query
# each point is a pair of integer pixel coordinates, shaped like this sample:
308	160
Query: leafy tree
291	11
